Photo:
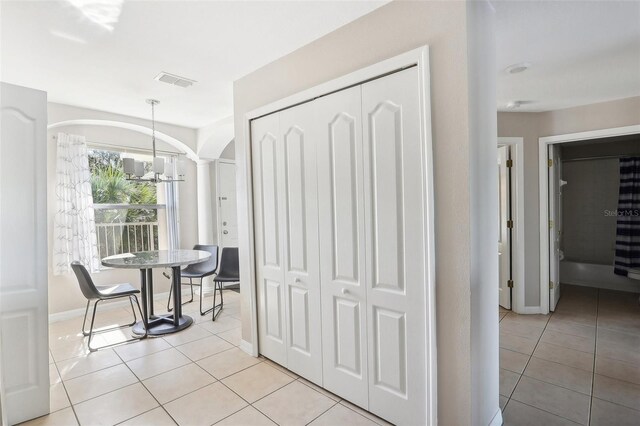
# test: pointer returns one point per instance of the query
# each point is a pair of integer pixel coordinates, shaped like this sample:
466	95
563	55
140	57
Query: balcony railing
118	238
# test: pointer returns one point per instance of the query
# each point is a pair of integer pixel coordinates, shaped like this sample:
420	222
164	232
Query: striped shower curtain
628	229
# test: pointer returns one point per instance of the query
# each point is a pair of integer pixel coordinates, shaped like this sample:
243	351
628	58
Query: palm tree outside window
126	213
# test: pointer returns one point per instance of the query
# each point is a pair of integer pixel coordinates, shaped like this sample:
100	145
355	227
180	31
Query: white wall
214	138
64	293
483	191
531	126
466	395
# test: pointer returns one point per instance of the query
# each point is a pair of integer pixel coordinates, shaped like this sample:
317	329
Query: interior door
342	242
227	210
302	274
23	253
268	175
395	198
504	236
555	232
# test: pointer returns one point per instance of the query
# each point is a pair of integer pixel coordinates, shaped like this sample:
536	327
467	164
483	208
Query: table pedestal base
163	324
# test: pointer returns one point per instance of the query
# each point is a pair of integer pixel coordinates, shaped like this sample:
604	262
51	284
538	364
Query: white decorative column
205	212
205	196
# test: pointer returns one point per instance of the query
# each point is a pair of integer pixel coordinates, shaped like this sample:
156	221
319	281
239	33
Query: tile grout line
147	378
73	410
531	356
507	397
523	371
148	391
319	415
549	412
354	411
216	380
171	346
528	361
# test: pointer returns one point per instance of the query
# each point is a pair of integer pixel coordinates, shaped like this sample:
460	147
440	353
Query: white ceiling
213	42
581	52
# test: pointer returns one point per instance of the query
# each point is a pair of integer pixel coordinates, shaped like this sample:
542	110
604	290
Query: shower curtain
628	229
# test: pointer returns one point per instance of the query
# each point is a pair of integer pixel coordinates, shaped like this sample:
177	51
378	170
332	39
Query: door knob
225	232
296	280
345	291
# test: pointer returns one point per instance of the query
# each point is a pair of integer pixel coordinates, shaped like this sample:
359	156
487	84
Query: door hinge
551	285
510	224
510	283
509	163
550	162
550	224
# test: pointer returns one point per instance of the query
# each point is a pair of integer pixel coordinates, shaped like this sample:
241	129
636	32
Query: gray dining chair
101	293
198	270
229	272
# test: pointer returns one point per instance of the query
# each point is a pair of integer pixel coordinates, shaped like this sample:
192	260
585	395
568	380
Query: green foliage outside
109	186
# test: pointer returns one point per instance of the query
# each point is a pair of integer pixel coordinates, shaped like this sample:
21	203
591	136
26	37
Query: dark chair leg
135	319
221	297
84	321
169	308
202	291
217	286
93	318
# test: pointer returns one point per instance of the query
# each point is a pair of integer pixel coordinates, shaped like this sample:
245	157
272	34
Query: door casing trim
543	145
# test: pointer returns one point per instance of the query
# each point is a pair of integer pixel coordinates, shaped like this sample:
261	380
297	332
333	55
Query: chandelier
162	172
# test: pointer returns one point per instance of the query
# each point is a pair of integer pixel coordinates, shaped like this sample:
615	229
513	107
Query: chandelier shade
161	171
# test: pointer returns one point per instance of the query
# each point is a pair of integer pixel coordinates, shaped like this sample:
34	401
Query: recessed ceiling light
517	68
514	104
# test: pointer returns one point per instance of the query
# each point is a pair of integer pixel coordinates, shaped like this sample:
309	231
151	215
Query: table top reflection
156	259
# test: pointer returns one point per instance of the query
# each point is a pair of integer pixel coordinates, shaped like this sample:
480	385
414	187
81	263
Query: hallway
579	365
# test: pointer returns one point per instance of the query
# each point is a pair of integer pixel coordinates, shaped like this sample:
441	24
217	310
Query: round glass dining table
145	261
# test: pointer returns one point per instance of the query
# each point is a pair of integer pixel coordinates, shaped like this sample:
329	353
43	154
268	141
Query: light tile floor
196	377
580	365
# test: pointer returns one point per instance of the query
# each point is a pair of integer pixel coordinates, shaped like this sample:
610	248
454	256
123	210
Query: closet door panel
343	174
394	188
341	224
302	274
267	188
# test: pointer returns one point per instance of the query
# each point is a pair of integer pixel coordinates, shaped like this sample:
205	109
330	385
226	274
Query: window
126	213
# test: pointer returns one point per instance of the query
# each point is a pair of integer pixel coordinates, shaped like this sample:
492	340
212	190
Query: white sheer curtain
75	229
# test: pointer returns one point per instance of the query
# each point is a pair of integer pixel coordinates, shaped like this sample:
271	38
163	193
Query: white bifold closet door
339	197
342	245
396	262
286	222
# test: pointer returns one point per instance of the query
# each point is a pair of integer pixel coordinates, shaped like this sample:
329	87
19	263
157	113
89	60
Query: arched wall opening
163	137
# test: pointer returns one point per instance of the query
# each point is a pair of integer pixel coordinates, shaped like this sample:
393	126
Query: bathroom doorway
580	224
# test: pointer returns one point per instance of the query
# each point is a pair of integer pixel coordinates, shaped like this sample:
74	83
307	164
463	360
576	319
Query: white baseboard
497	419
529	310
74	313
246	347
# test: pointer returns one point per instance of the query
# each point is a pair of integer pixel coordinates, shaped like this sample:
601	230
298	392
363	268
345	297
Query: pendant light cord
153	127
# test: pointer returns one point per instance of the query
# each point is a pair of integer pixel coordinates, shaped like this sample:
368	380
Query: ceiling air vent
176	80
